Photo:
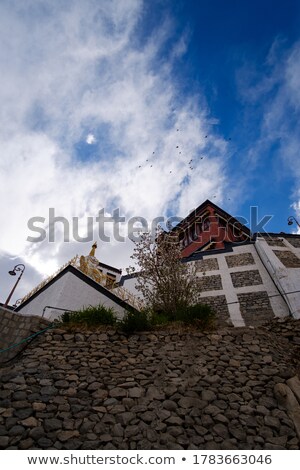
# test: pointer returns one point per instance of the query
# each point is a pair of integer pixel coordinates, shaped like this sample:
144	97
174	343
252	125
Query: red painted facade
208	228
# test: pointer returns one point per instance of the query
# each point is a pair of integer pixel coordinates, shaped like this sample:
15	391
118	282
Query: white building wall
230	292
286	279
71	293
110	271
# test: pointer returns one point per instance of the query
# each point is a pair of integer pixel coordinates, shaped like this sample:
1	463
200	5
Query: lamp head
290	222
12	273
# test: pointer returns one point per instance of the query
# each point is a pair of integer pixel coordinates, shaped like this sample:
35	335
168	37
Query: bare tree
165	282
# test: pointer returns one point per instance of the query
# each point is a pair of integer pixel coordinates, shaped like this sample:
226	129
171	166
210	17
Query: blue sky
92	94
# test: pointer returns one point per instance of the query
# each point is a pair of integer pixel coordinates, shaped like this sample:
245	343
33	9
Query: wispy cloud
71	67
272	93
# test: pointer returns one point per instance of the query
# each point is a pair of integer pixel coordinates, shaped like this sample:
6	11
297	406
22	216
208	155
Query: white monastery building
247	279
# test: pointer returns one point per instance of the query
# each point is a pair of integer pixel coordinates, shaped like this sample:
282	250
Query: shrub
199	315
135	321
159	318
90	316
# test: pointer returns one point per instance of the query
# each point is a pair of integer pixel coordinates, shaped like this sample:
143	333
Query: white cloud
90	139
68	68
282	114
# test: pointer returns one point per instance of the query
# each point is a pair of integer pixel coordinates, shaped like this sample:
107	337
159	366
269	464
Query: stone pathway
162	390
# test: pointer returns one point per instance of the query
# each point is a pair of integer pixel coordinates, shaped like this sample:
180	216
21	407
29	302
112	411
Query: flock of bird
191	162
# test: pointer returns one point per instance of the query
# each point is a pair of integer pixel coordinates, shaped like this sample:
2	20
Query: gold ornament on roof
93	250
88	265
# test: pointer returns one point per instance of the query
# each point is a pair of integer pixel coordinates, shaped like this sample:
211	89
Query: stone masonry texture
207	283
274	242
166	389
219	306
255	307
14	328
205	264
295	242
288	259
246	278
243	259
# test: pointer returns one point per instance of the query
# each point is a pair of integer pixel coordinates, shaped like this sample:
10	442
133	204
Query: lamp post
291	220
18	267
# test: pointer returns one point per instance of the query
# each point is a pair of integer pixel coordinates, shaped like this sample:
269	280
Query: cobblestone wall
246	278
207	283
158	390
255	308
205	264
274	242
288	259
243	259
14	327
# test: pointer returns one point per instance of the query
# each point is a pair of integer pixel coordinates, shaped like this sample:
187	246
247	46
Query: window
110	281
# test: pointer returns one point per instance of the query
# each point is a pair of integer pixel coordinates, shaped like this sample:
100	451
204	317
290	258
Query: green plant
202	316
159	318
135	321
90	316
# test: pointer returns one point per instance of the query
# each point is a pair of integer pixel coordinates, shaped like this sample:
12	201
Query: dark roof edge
126	277
228	249
110	268
217	208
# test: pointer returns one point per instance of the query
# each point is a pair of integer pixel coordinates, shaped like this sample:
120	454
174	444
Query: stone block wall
255	308
207	283
210	264
15	327
246	278
161	390
219	306
242	259
287	258
275	242
295	242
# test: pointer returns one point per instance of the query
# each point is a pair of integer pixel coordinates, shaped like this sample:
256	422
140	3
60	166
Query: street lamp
291	220
18	267
17	303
